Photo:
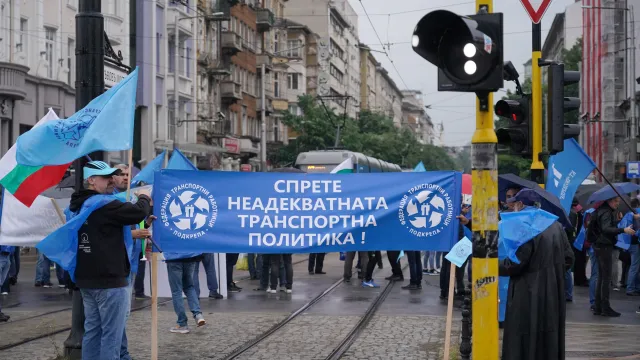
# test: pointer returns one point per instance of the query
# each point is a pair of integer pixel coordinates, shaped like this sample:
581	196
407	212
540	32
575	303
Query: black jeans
232	259
415	266
275	269
374	257
316	261
396	268
605	263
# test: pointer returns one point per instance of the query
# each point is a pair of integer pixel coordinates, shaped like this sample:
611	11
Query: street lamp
634	123
176	38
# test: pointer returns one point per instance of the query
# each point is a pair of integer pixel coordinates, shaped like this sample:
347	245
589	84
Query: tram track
56	331
344	344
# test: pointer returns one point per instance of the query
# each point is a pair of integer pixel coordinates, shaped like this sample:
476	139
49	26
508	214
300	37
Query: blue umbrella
608	192
507	181
548	202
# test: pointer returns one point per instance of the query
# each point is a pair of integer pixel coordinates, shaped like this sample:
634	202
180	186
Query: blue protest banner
460	252
199	211
567	170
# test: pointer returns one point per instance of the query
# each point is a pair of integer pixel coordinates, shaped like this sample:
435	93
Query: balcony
230	91
185	86
265	19
231	43
248	146
264	59
12	77
204	58
268	109
218	68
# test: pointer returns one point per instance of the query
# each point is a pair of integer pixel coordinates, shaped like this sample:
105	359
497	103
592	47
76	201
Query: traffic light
517	135
558	105
466	49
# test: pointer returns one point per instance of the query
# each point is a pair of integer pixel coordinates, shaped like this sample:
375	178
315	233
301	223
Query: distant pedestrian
5	264
371	265
603	232
316	263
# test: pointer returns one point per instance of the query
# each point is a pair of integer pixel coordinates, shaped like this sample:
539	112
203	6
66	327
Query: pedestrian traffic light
558	105
517	135
466	49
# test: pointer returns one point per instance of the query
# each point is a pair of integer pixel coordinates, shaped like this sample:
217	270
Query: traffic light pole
537	167
484	264
89	84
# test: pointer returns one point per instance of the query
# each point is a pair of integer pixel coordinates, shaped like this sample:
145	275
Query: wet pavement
407	325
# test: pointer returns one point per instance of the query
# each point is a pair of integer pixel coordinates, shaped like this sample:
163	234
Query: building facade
336	23
415	117
37	59
378	92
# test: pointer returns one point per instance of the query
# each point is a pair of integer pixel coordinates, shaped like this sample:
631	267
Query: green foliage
372	134
509	164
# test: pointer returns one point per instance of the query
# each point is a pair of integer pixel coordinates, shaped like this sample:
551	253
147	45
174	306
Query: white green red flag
344	168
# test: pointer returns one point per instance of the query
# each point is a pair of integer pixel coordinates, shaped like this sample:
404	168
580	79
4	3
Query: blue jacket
5	248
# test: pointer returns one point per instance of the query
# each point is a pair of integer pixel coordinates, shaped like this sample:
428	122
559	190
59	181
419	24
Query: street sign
536	9
633	170
112	75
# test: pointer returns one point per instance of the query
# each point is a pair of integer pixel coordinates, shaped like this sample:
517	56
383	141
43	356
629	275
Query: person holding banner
180	269
5	264
103	268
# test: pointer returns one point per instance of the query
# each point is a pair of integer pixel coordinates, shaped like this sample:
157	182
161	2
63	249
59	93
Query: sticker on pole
488	44
536	9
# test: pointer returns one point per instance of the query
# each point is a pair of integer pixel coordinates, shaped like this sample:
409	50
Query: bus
323	161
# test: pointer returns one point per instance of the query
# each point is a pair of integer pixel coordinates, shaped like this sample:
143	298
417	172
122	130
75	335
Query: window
234	123
71	56
159	52
336	50
275	43
293	109
188	61
49	46
245	126
23	41
24	128
276	85
293	48
157	122
276	129
172	58
292	81
337	74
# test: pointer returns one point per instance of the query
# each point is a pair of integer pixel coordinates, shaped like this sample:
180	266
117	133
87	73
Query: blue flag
517	228
179	162
420	168
61	246
624	240
106	124
146	174
567	170
280	213
503	281
460	252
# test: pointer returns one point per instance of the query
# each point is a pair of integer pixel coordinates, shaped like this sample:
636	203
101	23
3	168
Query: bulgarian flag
27	182
344	168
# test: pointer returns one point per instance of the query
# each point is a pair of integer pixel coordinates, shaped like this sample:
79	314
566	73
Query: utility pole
89	85
537	167
176	92
634	121
263	122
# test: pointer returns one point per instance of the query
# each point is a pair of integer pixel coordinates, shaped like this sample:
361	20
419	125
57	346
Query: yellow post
484	163
537	167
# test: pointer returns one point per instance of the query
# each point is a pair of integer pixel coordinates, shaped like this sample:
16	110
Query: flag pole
58	210
447	331
154	291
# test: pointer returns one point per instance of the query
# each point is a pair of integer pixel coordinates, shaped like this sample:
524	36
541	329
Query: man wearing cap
103	266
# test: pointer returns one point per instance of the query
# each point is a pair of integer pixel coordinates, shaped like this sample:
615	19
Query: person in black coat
534	327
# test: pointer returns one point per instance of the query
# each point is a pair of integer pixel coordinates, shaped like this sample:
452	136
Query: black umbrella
548	202
58	193
584	191
507	181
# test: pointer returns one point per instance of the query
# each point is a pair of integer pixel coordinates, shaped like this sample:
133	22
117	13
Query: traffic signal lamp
517	135
466	49
558	105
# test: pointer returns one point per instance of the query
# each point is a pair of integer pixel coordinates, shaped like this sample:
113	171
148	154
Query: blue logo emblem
426	210
189	213
71	131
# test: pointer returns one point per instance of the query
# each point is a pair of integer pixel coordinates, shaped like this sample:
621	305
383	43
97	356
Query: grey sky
455	110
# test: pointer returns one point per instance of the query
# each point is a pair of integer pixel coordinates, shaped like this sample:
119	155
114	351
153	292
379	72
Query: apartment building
378	92
336	23
415	117
37	60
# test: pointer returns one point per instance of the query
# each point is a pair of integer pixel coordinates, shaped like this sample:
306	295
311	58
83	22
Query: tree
372	134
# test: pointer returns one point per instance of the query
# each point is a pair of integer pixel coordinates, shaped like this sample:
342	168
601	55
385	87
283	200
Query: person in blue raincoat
534	327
